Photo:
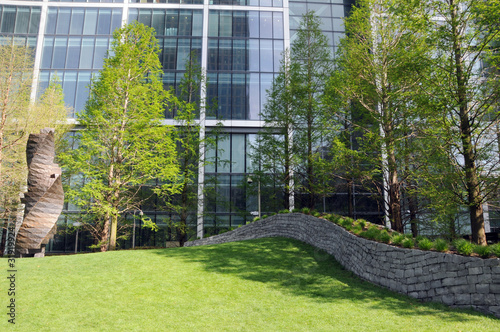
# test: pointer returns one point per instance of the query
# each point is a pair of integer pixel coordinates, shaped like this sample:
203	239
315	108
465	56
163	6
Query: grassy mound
261	285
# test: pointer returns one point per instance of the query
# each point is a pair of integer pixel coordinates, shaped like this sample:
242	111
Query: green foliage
295	117
256	219
284	211
357	229
424	243
455	131
264	216
19	118
316	214
124	145
408	243
372	233
495	249
483	251
346	222
306	210
463	247
397	239
441	245
384	236
291	285
362	223
296	210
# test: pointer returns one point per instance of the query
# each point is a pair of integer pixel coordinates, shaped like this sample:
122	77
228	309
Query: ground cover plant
260	285
379	233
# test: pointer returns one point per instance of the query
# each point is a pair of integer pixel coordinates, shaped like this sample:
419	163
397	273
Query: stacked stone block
454	280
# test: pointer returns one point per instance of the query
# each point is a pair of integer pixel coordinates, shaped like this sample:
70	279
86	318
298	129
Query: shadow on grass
296	268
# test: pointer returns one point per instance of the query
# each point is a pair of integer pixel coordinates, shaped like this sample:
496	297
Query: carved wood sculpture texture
45	197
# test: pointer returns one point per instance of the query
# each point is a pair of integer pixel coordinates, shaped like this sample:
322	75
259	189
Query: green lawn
262	285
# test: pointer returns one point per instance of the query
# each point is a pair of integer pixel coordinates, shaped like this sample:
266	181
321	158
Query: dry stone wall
454	280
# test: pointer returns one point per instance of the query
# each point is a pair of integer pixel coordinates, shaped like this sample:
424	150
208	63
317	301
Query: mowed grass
262	285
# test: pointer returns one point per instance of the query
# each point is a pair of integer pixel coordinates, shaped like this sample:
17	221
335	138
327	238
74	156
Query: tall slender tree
295	116
274	150
310	68
464	89
123	144
377	71
188	106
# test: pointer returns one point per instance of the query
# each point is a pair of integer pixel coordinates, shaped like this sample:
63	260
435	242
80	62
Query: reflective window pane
266	25
266	55
73	53
48	45
238	99
87	53
197	23
23	20
278	25
213	24
213	57
223	155
239	55
240	24
76	26
144	16
183	49
171	23
90	22
101	46
224	96
253	96
104	22
185	23
35	20
158	22
59	56
226	24
253	55
225	55
82	92
253	24
63	19
69	87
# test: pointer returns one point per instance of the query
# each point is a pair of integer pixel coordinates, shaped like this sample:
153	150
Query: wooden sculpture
45	197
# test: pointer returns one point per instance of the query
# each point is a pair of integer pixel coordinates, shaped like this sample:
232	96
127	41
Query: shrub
464	247
346	222
495	249
316	214
441	245
425	244
256	218
483	251
418	238
371	233
357	229
397	239
362	223
335	218
284	211
408	243
264	216
306	210
384	236
296	210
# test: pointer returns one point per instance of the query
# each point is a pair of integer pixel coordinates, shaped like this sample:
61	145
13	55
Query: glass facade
238	42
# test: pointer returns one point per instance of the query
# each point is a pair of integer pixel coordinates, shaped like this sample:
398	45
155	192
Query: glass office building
239	44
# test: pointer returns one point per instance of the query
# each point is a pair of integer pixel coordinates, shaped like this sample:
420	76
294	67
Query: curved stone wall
454	280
